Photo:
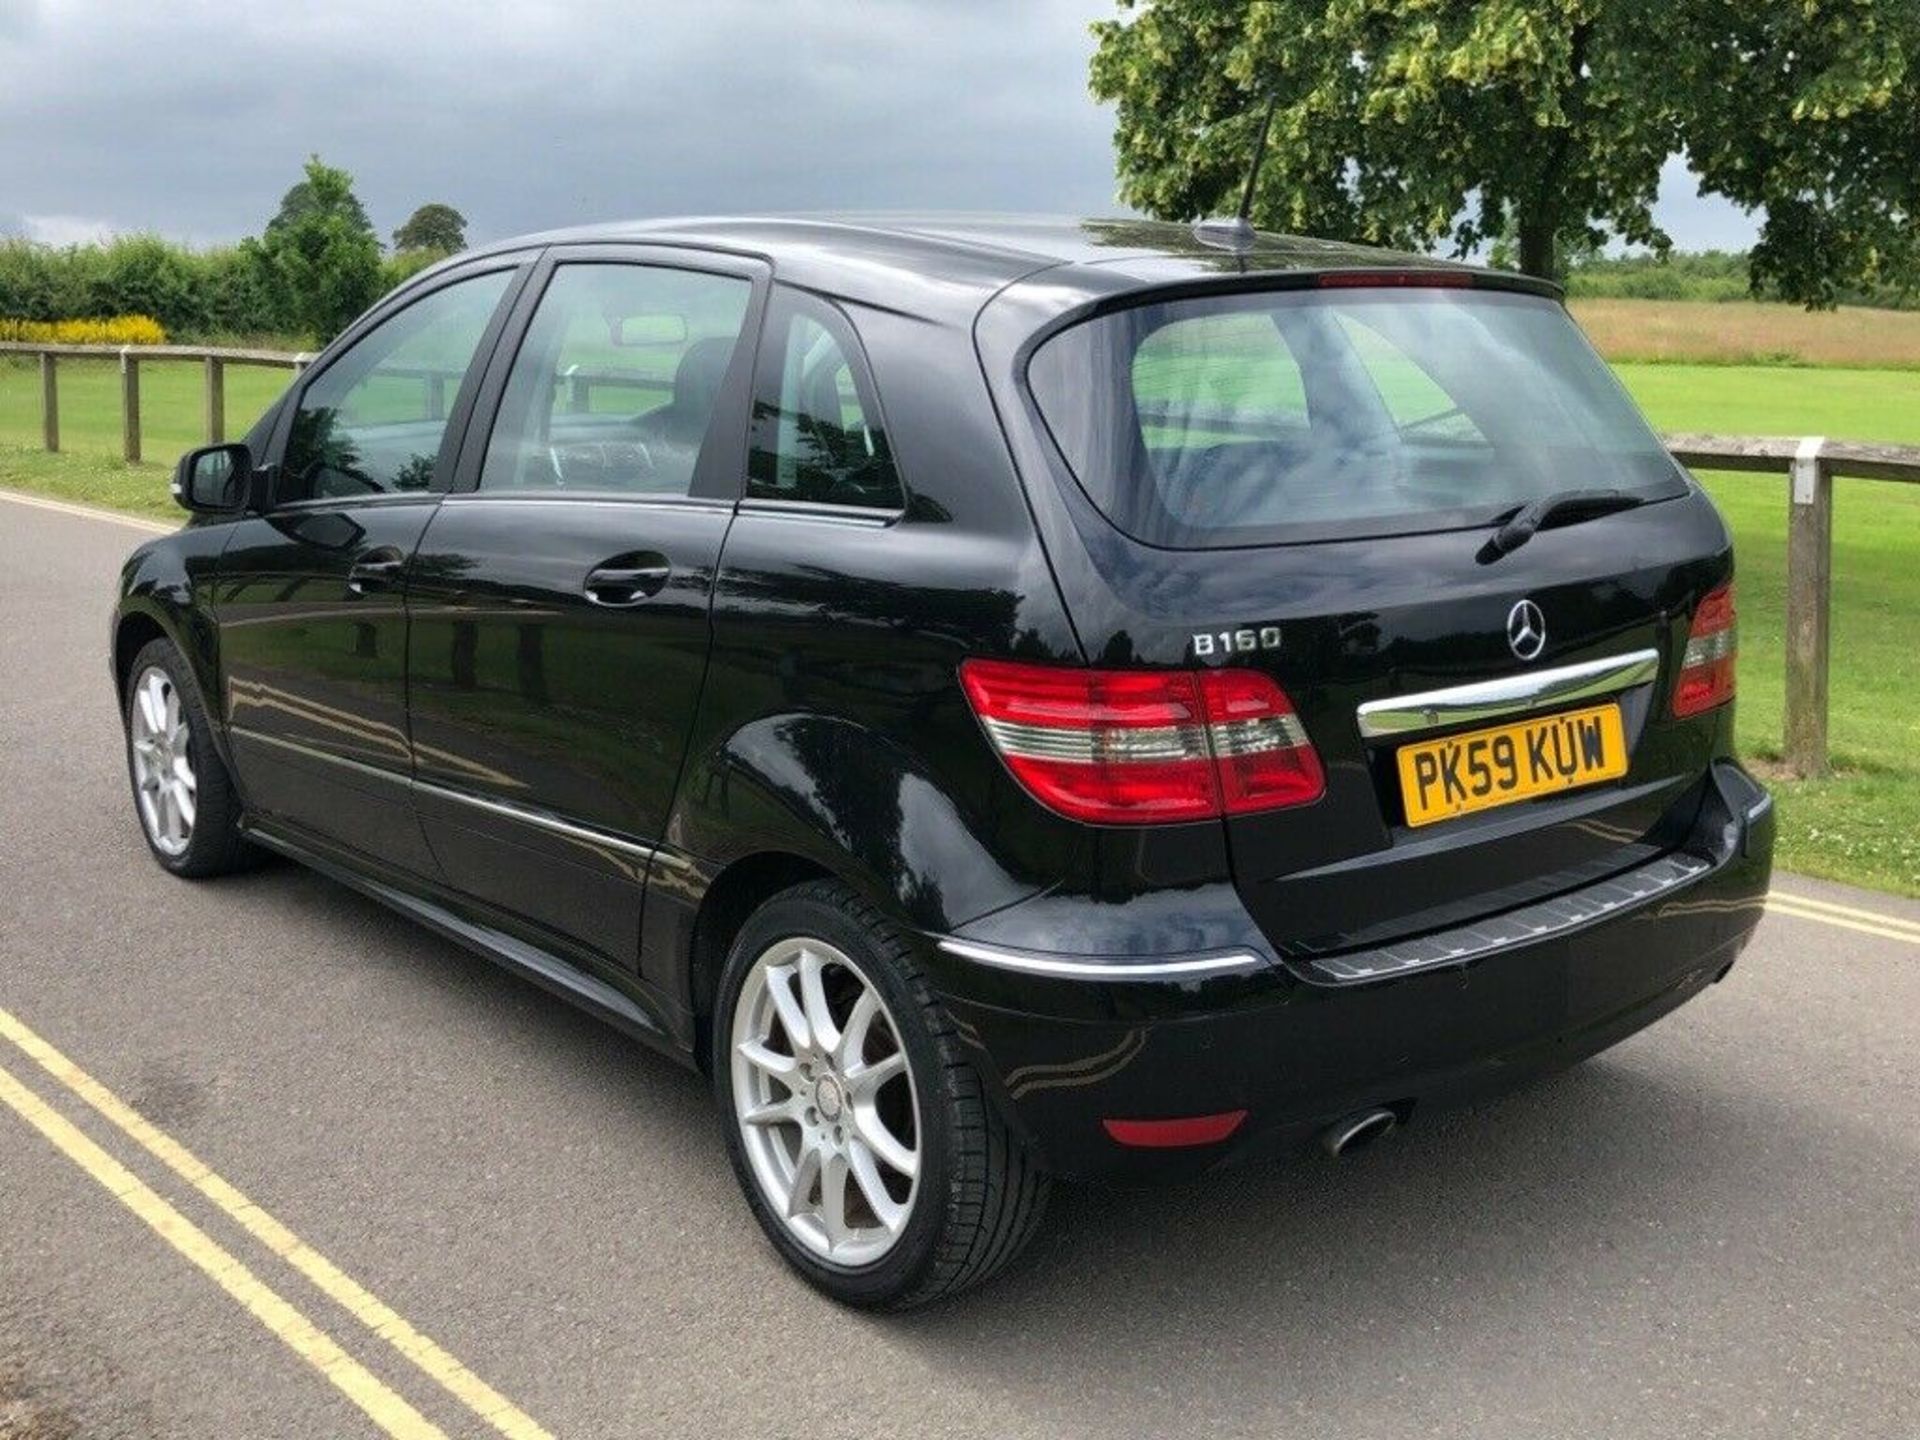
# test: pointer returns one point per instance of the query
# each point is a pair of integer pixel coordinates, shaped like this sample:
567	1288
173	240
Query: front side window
1274	417
817	435
613	389
373	420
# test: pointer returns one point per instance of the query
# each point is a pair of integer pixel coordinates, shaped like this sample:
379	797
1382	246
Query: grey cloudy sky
191	117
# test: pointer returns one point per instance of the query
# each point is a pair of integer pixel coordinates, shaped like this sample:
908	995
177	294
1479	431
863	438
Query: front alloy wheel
164	783
188	808
825	1102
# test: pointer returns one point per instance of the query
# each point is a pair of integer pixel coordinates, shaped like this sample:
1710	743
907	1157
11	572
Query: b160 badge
1247	641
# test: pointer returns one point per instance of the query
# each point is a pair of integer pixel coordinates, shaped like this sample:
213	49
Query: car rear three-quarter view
1005	699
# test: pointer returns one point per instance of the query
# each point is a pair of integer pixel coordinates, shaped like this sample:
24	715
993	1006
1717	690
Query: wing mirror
213	480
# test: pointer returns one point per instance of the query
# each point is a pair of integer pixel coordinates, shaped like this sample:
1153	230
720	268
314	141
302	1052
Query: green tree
319	260
433	226
1418	123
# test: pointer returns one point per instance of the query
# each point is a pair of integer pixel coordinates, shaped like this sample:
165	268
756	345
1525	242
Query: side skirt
561	977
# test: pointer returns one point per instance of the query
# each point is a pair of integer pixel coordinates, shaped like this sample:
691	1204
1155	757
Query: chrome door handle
619	585
376	570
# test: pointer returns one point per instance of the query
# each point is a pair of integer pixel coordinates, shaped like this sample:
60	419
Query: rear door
311	598
1305	483
561	593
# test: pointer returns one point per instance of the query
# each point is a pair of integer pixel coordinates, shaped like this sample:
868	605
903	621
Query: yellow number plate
1484	768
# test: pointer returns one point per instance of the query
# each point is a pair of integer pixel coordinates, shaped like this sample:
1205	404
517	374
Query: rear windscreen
1266	418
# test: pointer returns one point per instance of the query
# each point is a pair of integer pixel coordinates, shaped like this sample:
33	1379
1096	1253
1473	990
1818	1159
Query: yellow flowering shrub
114	330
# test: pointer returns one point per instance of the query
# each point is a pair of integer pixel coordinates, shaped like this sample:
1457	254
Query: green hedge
199	296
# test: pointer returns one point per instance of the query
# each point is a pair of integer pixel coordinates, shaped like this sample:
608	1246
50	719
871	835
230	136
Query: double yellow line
1846	917
384	1406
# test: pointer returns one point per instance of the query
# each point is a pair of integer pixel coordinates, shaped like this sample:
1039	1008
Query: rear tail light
1706	670
1145	747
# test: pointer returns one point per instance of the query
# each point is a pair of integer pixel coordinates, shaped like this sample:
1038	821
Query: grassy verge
90	480
1862	826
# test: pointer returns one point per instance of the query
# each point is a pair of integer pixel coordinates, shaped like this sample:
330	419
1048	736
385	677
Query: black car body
589	725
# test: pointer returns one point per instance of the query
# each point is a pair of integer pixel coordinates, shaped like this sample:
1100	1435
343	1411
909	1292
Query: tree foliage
1419	123
319	258
433	226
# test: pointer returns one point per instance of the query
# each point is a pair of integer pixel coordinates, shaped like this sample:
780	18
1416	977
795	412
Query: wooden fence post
1809	608
129	406
49	403
216	399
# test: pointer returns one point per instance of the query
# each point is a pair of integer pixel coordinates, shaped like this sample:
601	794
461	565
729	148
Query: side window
1419	407
614	386
372	421
1213	380
816	426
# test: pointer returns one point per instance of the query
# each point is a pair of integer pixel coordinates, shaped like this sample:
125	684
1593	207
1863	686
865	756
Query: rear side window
1322	414
614	387
817	435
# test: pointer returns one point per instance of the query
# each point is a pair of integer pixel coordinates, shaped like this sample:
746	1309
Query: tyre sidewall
798	914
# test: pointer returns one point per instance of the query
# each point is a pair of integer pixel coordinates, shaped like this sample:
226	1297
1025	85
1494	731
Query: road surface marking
1779	905
293	1329
1871	917
89	512
368	1309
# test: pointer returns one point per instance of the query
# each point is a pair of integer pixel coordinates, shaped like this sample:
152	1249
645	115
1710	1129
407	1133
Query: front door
311	596
561	592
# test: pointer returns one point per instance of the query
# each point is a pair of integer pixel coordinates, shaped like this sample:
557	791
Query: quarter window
817	435
373	420
614	388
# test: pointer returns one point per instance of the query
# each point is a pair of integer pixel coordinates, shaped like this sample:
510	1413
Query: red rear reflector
1707	668
1396	279
1145	747
1172	1134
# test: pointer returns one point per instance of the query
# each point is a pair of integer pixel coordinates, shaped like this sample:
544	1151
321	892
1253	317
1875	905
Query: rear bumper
1067	1042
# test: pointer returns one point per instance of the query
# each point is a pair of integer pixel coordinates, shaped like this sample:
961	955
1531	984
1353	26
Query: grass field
1745	333
1863	826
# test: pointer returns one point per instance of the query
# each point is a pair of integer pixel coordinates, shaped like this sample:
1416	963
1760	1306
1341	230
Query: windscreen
1268	418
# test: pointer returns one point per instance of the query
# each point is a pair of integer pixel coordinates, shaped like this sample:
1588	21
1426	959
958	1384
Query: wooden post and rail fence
1810	464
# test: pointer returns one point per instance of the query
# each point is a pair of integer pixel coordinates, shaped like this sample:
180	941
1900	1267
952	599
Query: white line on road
89	512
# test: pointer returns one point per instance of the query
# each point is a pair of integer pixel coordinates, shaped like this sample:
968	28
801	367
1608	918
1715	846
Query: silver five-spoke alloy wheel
162	764
825	1101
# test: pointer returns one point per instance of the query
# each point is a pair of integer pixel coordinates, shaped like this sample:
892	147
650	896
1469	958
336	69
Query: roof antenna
1238	234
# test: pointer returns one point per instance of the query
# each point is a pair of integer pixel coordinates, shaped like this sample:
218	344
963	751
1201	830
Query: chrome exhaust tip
1357	1130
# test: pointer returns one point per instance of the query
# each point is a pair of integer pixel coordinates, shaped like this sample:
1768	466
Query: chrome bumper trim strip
1028	962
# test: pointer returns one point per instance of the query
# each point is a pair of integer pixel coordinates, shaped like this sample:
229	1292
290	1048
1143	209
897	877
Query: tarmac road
421	1193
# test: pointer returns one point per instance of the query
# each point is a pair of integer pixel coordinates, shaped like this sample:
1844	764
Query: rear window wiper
1567	507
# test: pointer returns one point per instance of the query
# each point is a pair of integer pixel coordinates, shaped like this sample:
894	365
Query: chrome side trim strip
540	820
1510	695
397	778
1063	967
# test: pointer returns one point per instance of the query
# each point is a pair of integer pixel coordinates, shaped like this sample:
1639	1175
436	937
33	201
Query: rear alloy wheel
826	1105
184	798
860	1131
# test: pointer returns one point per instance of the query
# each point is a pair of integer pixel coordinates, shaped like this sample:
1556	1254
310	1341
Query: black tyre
860	1132
182	794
